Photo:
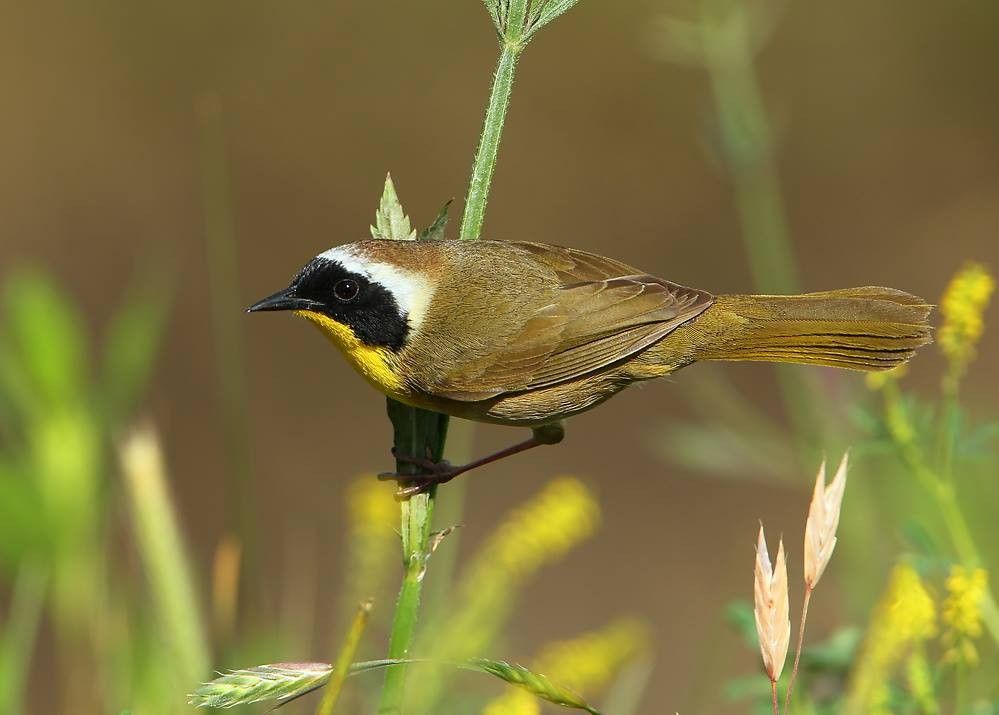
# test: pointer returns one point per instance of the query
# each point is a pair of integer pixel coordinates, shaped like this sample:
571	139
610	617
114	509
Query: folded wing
606	311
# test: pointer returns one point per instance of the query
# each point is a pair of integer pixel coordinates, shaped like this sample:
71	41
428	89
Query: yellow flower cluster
878	380
537	533
563	515
543	530
962	613
588	662
373	517
962	307
904	617
371	505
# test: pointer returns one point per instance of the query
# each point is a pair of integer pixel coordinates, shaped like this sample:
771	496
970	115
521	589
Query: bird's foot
433	473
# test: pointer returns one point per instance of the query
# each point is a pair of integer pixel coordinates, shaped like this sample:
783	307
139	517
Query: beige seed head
773	621
823	519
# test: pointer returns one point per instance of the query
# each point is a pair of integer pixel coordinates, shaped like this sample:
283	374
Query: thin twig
797	650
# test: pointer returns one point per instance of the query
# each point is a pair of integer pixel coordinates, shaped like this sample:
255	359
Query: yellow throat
376	365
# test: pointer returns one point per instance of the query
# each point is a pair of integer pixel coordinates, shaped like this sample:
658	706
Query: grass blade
163	555
532	682
342	668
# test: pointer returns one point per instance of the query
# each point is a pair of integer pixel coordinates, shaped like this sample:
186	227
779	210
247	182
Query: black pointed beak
282	300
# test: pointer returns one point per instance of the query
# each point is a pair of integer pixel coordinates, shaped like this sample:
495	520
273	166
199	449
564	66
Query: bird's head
367	297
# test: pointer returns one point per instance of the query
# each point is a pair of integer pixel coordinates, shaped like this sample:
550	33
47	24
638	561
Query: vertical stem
419	432
797	650
19	635
341	669
492	130
773	696
747	149
229	362
942	491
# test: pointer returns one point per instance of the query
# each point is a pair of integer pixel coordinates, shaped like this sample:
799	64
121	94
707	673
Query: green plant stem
229	362
492	130
941	489
417	432
797	651
345	658
746	141
164	557
19	635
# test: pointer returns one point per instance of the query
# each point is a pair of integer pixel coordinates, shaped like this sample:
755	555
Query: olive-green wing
598	318
571	265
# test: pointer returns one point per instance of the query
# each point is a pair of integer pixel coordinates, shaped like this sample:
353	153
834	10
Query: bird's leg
443	472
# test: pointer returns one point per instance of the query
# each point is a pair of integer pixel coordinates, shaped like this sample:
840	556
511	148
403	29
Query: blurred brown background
887	116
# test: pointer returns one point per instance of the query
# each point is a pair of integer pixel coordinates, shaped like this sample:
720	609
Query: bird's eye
346	290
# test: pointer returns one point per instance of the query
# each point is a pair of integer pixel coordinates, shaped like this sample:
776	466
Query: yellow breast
376	365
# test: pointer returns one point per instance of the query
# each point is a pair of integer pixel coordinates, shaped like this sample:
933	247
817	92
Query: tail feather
856	328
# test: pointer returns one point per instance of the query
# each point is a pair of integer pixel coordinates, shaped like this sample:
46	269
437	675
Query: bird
528	334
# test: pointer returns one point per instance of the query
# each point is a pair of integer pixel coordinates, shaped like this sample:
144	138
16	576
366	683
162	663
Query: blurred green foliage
61	402
917	526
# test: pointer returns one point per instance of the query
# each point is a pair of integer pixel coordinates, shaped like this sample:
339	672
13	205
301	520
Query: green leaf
285	682
723	450
977	444
435	231
20	634
131	345
44	333
23	519
747	687
836	654
391	221
739	615
532	682
545	12
493	8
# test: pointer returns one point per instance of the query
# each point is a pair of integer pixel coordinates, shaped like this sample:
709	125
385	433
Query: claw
433	473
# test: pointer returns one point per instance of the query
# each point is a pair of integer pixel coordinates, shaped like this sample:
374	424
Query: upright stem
942	490
492	130
797	650
419	432
747	147
229	361
344	659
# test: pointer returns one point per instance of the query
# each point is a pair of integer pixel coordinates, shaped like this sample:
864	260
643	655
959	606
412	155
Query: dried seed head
773	622
823	519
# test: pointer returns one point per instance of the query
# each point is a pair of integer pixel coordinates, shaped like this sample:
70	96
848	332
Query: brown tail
857	328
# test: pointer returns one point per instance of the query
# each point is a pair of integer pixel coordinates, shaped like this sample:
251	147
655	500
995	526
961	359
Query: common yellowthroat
527	334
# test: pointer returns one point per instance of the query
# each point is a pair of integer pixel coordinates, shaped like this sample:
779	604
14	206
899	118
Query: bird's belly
530	408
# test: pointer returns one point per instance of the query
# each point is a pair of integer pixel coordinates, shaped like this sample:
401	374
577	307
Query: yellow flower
877	380
904	617
514	702
372	518
563	515
548	526
962	307
962	614
587	663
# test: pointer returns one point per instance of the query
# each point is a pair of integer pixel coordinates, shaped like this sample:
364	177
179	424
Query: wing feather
605	312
